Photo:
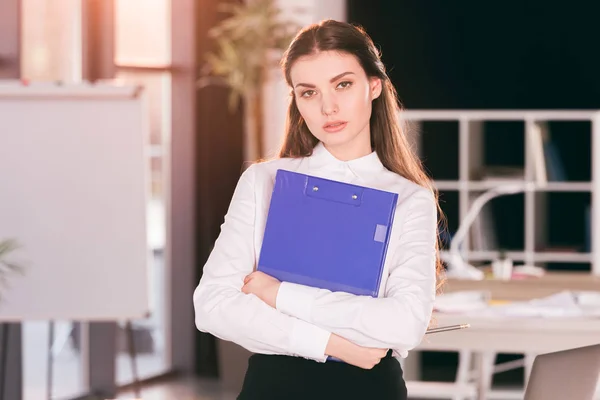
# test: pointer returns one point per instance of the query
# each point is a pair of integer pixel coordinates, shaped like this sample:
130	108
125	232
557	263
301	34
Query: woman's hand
345	350
266	288
262	285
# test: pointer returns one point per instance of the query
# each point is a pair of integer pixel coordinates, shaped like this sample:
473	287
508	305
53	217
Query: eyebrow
335	78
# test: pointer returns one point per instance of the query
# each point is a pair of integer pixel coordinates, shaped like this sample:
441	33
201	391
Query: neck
351	151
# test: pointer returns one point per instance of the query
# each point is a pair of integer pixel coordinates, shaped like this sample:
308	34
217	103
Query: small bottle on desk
502	267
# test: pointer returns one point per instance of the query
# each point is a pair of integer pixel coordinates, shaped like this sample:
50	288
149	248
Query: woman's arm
223	310
400	318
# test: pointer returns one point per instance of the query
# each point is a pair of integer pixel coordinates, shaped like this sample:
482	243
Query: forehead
319	68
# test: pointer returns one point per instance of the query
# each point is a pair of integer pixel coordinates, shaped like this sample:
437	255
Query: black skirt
274	377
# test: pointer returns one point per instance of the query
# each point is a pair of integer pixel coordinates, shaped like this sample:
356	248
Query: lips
334	126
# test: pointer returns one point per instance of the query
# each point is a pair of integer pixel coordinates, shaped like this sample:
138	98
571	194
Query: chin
334	139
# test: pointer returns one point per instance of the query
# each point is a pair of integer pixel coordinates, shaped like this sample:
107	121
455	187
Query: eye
307	93
345	85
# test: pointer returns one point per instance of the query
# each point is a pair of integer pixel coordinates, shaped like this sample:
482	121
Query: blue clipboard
327	234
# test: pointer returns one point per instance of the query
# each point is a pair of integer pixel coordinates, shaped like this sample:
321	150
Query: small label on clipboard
380	233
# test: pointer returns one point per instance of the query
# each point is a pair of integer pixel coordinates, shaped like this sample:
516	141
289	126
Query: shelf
562	257
567	187
485	185
449	185
489	255
469	152
521	256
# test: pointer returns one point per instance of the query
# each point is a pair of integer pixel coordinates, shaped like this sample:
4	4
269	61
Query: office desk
489	336
513	335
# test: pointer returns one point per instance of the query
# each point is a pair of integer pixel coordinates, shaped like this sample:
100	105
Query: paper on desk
589	301
562	304
462	302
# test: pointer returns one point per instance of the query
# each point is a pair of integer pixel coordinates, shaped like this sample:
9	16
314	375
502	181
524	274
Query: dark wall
474	54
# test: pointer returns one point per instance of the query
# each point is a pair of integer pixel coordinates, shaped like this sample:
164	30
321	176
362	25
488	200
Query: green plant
7	267
248	43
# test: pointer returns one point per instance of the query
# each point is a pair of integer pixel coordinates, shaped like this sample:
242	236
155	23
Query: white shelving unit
470	155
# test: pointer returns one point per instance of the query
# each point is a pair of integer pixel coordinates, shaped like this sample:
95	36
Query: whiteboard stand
130	348
61	341
132	358
50	367
4	354
78	206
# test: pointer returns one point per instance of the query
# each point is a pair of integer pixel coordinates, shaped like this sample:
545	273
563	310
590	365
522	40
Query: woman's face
334	97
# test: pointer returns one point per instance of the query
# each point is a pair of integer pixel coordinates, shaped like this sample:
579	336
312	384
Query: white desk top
513	334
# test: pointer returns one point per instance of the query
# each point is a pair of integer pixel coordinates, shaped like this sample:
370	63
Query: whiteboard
74	188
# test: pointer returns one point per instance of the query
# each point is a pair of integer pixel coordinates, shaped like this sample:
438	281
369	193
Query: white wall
276	90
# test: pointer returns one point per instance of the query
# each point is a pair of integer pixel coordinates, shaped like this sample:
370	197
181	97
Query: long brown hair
387	136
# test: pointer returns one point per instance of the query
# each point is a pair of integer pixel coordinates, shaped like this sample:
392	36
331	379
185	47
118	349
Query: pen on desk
447	328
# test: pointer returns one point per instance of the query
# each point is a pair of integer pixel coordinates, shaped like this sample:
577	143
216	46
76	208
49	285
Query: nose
329	105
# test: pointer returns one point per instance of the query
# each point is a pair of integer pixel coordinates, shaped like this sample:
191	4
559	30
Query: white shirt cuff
296	300
309	341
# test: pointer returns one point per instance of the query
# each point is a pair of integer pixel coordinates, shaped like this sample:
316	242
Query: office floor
198	389
182	389
67	381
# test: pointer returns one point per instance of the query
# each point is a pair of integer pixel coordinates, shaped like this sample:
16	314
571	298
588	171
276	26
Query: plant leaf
243	41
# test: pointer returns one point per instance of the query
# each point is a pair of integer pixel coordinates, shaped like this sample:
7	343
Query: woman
343	125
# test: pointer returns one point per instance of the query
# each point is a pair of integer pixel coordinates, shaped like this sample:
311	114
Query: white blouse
306	316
